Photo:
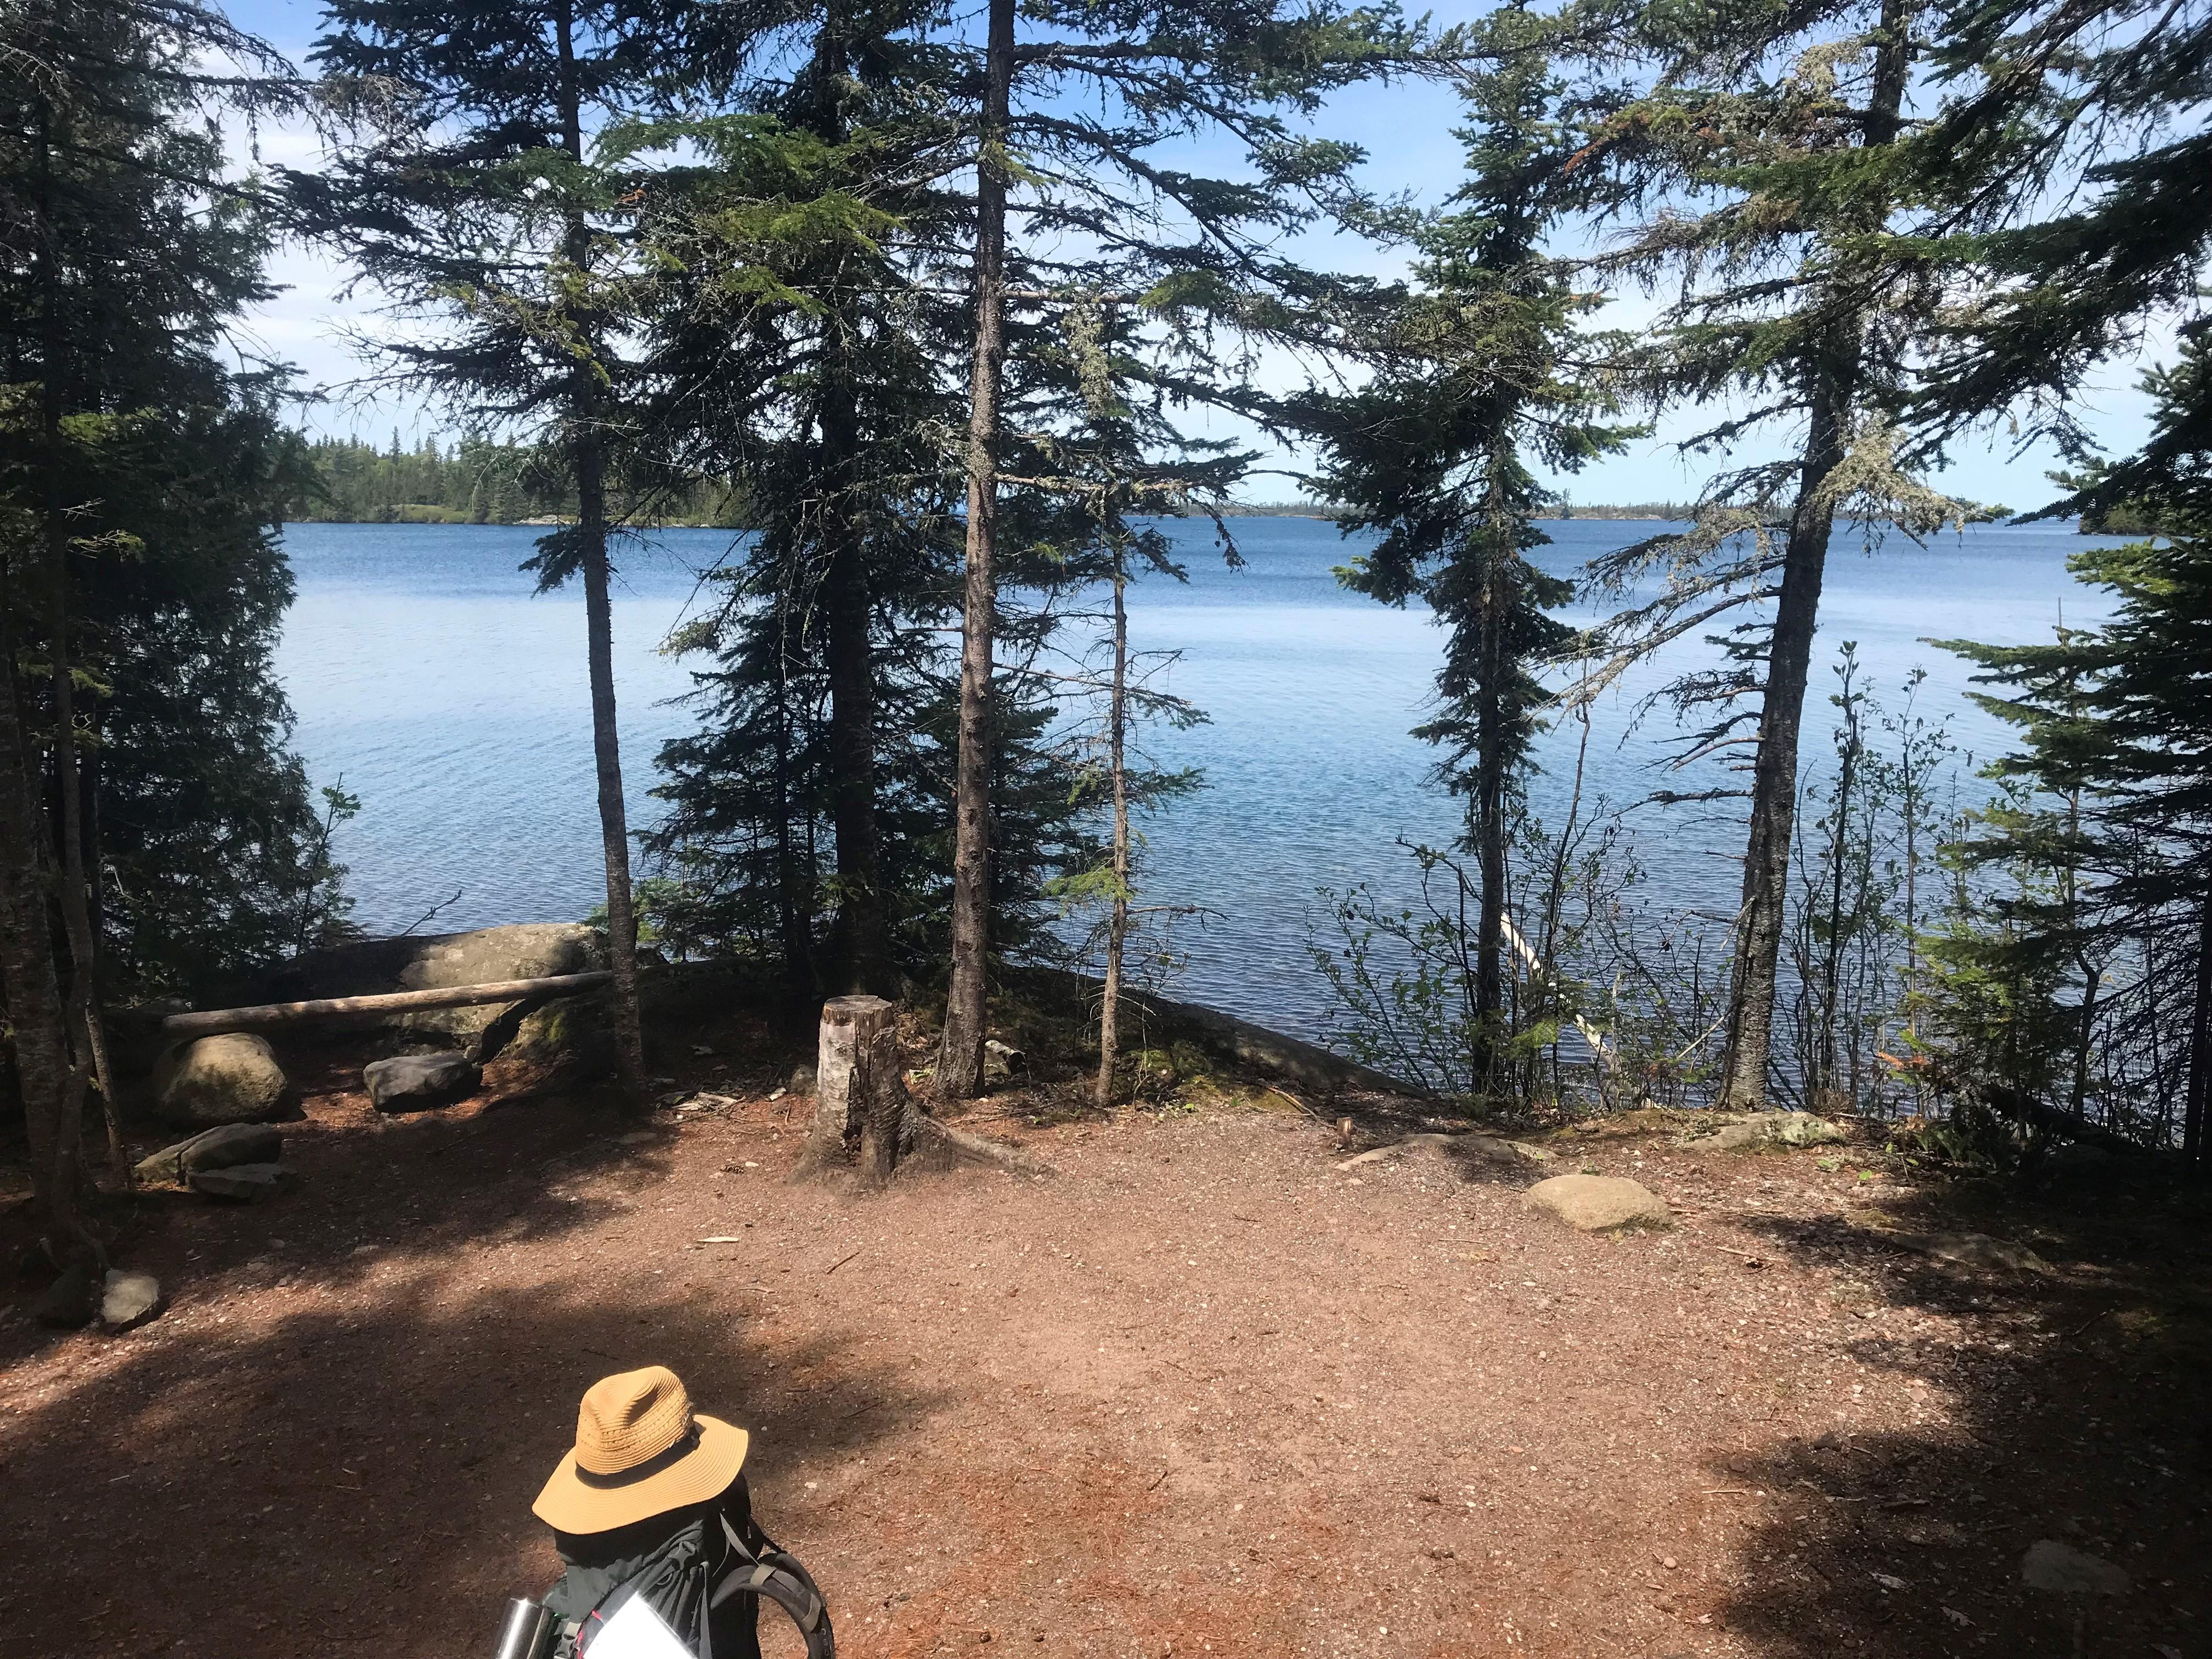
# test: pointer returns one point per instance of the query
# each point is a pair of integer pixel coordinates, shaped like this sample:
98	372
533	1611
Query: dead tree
863	1114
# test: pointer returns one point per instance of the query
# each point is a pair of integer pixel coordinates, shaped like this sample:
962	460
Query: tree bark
1490	810
1774	776
795	879
85	1034
2199	1089
862	1111
960	1061
31	989
589	458
1117	926
863	932
82	1016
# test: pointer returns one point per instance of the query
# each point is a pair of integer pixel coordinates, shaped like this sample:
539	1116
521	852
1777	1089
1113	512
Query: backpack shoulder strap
777	1576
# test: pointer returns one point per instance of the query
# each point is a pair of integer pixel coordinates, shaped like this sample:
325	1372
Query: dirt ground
1199	1391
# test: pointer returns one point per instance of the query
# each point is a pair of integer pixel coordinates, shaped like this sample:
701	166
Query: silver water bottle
528	1630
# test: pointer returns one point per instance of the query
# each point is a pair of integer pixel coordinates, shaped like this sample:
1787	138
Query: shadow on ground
2077	1414
330	1443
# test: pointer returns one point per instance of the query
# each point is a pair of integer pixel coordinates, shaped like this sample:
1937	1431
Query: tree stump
862	1113
856	1070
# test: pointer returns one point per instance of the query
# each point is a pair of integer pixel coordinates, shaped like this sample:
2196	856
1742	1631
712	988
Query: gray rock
1980	1250
530	950
415	1083
571	1037
1599	1204
230	1078
242	1181
214	1149
1465	1150
2051	1565
1764	1132
69	1301
130	1300
232	1144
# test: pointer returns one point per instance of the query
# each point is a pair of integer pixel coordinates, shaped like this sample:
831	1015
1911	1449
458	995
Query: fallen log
208	1022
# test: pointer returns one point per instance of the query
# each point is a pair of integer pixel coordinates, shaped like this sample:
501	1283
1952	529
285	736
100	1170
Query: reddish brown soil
1199	1392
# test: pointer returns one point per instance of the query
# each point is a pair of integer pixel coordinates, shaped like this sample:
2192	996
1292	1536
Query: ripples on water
451	699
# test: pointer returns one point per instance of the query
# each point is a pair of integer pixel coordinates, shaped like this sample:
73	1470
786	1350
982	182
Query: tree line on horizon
935	294
468	481
477	481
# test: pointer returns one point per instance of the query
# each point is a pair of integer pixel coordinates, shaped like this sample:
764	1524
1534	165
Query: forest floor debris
1198	1389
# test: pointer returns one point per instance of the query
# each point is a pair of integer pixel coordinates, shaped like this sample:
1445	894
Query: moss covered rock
230	1078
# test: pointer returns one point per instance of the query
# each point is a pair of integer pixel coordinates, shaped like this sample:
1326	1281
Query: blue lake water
446	694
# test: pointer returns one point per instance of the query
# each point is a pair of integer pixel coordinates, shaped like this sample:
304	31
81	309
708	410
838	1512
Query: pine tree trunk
864	962
1490	828
863	926
1774	777
1831	964
2199	1088
588	458
81	1018
607	758
960	1061
81	1015
1117	927
31	989
795	879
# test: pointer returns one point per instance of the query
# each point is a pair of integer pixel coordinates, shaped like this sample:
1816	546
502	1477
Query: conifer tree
482	206
791	252
801	336
2117	765
2080	131
140	477
1119	458
1081	112
1779	151
1475	379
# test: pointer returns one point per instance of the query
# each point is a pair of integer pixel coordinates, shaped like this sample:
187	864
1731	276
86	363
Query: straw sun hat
640	1450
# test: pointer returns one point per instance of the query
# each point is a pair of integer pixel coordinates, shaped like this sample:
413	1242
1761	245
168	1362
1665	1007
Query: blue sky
1406	130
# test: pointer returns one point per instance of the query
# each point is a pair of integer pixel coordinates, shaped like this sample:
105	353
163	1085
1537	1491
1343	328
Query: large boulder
421	962
1599	1204
416	1083
218	1148
1762	1131
230	1078
528	950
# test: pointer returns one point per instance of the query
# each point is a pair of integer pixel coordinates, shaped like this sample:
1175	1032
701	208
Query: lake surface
447	695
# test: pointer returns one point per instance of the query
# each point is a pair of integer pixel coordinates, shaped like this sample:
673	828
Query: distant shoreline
1641	512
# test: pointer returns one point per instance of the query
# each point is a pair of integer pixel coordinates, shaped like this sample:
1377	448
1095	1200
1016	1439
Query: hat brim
574	1503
